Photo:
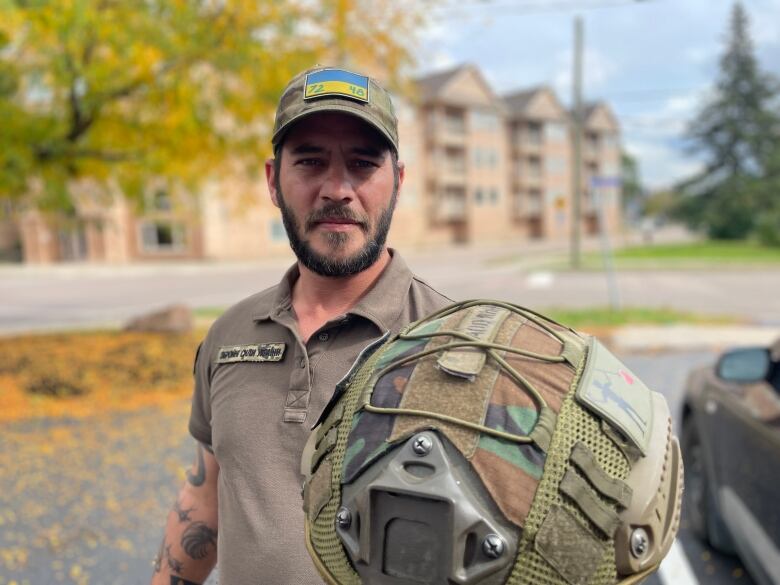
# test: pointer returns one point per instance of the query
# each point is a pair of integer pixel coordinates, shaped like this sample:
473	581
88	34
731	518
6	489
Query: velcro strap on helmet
602	516
610	487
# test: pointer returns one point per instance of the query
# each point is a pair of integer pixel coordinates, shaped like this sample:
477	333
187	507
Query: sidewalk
477	254
639	338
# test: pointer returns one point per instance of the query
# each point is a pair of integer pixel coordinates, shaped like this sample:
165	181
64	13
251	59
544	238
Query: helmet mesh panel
323	535
574	424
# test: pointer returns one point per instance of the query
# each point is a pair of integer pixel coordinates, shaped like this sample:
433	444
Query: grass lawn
707	254
604	317
579	318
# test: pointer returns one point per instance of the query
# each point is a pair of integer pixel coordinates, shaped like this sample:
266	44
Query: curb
635	338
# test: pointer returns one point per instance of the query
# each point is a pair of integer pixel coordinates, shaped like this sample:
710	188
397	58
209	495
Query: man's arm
188	551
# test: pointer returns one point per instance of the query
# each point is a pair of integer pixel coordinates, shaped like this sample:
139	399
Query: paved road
77	295
84	501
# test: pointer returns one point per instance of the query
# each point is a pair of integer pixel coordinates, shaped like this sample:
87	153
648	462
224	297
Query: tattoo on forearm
198	539
184	515
180	581
158	559
174	565
199	476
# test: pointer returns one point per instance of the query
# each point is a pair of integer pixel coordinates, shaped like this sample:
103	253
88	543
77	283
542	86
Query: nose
337	185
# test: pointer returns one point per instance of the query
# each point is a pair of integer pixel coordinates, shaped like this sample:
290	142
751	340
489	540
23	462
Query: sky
654	61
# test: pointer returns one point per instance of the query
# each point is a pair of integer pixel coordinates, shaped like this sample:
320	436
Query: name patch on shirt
255	352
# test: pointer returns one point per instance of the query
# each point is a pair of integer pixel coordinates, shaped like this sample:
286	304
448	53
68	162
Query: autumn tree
110	91
737	132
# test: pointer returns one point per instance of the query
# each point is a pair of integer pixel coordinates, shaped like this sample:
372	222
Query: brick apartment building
480	168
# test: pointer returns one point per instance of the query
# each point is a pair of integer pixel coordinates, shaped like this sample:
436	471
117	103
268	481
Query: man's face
336	187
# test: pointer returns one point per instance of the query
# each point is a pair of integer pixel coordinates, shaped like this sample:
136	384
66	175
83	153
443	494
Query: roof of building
592	108
430	86
518	101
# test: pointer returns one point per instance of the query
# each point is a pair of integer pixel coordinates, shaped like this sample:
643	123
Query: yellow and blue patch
329	82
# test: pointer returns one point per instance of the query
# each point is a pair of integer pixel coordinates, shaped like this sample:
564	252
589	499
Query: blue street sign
605	182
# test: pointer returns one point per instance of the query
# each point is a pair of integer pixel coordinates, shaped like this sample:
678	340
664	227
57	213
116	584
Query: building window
478	196
555	165
534	133
483	120
534	167
494	196
455	160
163	236
278	233
454	121
161	201
555	132
592	141
477	157
534	204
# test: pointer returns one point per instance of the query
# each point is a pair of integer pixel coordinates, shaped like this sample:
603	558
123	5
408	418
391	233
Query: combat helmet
487	444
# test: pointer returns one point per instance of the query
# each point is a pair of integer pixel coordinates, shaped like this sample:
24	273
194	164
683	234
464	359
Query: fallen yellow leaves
84	500
83	374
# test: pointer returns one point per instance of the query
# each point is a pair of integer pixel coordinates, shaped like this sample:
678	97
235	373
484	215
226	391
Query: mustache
338	212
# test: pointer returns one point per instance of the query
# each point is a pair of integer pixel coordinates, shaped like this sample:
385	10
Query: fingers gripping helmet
486	445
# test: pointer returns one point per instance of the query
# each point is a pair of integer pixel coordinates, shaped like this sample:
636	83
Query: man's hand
188	551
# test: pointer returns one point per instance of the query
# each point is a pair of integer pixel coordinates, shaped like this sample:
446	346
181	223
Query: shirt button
302	363
323	336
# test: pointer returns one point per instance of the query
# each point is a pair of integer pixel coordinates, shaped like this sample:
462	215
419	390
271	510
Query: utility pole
577	115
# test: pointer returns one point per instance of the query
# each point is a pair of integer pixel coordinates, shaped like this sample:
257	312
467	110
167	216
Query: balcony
527	205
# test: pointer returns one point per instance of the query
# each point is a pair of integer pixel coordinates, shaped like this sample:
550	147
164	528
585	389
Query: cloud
699	55
764	29
661	165
653	137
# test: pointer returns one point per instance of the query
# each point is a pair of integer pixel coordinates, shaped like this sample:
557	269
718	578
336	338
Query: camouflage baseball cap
489	445
327	89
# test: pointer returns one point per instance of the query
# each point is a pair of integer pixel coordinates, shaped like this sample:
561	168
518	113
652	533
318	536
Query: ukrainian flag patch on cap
329	82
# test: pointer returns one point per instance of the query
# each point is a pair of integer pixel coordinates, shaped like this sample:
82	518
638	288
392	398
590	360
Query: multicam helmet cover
486	444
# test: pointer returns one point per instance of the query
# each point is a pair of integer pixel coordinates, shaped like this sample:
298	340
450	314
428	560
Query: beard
323	264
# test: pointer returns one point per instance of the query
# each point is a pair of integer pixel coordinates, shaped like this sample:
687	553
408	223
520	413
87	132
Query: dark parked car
731	450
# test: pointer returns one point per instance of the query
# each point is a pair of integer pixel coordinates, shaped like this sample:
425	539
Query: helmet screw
343	518
493	546
422	445
640	541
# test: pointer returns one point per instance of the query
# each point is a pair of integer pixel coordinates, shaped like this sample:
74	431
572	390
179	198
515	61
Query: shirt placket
298	397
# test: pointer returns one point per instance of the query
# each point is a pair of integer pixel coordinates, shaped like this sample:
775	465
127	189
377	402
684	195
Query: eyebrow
307	149
370	151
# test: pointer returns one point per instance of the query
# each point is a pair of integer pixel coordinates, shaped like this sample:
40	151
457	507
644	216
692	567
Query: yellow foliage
135	90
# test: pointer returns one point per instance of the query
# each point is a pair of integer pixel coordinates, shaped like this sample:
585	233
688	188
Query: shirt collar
381	304
384	301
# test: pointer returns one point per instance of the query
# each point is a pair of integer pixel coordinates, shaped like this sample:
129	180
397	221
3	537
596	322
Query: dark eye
364	164
309	162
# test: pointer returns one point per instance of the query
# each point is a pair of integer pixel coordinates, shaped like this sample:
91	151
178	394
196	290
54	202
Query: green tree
632	190
117	92
736	131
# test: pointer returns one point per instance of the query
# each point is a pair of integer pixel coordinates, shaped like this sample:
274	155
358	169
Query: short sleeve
200	414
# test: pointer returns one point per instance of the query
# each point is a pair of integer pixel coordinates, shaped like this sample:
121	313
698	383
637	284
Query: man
269	365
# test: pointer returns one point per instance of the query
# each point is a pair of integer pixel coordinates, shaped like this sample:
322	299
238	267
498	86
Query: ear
401	174
270	178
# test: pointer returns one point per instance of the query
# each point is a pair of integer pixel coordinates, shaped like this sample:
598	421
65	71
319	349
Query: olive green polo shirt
258	390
